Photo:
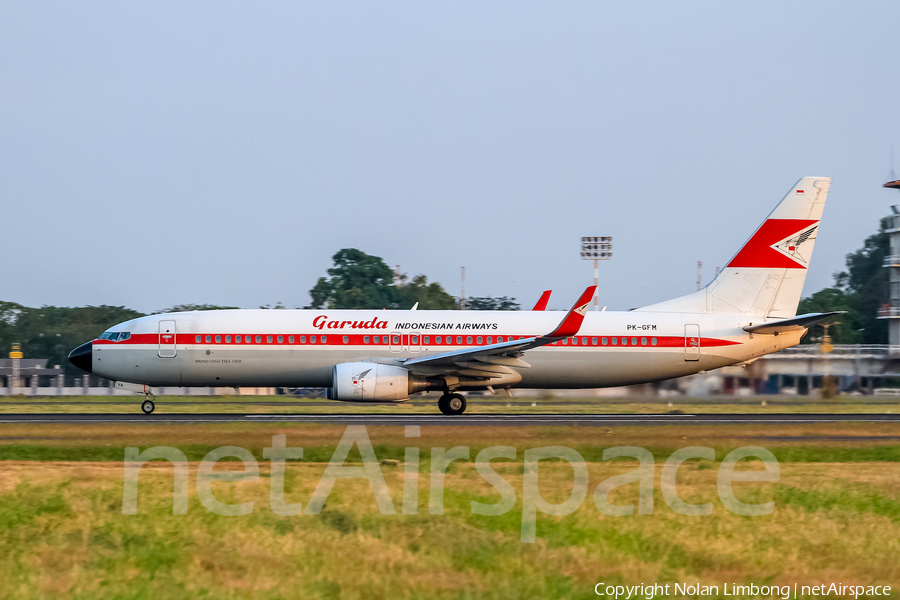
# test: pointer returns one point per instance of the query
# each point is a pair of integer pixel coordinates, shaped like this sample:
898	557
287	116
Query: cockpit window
115	336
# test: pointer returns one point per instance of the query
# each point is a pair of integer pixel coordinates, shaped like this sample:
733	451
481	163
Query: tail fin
765	278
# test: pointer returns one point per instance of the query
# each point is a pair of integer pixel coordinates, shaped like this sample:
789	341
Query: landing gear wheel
147	406
452	404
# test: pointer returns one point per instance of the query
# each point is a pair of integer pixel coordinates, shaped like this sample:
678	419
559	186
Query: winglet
542	301
572	321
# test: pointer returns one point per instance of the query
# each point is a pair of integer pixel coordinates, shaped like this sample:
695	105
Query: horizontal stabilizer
793	324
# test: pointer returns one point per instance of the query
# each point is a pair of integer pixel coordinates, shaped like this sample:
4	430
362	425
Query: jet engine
367	382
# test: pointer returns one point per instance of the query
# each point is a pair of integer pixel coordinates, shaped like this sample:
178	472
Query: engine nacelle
367	382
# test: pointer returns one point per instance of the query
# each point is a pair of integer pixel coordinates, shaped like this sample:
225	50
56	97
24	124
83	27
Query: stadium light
596	248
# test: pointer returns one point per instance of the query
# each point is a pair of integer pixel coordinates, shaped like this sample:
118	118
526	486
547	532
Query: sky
163	153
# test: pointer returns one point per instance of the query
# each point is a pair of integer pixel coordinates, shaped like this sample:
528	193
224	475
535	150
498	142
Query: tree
52	332
829	299
191	307
487	303
860	290
430	296
359	280
356	280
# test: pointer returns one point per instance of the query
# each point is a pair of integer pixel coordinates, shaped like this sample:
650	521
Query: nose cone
81	357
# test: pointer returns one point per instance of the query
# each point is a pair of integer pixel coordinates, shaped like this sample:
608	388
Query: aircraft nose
81	357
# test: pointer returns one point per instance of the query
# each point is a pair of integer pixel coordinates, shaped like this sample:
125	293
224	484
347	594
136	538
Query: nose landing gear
452	404
147	405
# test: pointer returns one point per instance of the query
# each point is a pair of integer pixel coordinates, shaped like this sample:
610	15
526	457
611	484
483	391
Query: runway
501	419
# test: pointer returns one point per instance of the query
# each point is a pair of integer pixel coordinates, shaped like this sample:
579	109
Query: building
891	309
33	372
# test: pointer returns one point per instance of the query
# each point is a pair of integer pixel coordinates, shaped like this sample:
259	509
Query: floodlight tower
596	248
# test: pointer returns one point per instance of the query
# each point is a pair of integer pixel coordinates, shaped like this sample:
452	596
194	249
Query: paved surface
437	419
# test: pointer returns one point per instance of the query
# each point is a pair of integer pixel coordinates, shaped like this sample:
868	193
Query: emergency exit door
410	342
691	341
167	339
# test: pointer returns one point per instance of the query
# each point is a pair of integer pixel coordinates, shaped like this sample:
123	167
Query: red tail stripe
758	251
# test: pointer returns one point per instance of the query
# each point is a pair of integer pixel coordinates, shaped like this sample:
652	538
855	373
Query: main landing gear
452	404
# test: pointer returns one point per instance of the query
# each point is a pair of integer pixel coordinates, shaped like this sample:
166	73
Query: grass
63	534
428	405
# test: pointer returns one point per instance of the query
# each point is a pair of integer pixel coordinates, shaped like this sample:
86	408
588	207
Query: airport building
891	309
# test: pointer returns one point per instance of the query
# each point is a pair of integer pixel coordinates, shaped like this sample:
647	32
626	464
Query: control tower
891	310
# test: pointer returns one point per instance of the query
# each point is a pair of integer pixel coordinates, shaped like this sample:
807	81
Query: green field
62	531
477	405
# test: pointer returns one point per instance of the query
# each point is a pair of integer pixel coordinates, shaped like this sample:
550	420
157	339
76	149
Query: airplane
749	310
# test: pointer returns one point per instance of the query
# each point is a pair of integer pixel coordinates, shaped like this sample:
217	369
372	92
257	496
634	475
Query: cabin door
691	341
167	339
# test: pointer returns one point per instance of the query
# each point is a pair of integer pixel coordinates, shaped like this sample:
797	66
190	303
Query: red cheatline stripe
332	339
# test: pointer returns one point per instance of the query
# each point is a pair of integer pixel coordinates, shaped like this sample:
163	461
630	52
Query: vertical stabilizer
765	278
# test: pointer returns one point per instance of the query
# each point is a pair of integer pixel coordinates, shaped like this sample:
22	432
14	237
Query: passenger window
259	339
643	341
653	341
634	341
365	339
426	339
490	340
280	339
227	339
209	339
499	339
396	340
624	341
437	340
584	341
593	341
324	339
615	341
302	339
604	341
468	339
565	342
197	339
268	339
312	339
218	339
479	340
237	339
459	339
414	340
290	339
574	341
346	339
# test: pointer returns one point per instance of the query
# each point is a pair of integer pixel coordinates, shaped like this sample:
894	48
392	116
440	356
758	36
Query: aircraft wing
793	324
508	353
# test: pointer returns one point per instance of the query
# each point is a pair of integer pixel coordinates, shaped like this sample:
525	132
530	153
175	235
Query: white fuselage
299	348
